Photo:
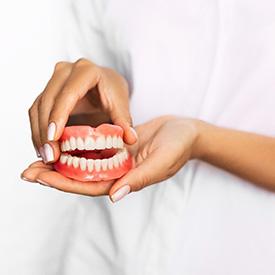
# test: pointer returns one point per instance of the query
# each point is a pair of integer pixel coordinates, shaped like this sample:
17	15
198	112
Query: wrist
203	140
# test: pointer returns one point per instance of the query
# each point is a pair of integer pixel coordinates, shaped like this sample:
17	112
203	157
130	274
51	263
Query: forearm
247	155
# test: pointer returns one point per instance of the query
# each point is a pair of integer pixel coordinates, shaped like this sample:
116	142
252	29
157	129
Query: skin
164	145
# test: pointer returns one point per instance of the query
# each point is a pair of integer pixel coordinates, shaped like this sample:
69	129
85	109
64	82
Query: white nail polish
134	132
120	193
37	153
41	151
48	151
42	182
51	131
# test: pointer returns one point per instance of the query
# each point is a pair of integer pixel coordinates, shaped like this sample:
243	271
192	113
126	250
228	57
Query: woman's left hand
165	144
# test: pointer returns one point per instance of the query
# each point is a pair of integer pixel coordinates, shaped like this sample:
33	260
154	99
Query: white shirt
207	59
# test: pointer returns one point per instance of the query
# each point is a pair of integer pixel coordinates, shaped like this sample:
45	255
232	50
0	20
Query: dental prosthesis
93	154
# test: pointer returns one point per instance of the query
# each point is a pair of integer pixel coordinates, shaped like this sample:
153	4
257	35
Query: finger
33	117
51	152
54	86
40	164
84	76
151	170
58	181
116	102
31	174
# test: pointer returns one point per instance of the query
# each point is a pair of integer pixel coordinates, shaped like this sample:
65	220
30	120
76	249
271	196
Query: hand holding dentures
94	160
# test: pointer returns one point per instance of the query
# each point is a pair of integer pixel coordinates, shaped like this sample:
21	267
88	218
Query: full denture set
93	154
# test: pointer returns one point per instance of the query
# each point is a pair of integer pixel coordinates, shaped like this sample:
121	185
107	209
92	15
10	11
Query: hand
165	144
78	88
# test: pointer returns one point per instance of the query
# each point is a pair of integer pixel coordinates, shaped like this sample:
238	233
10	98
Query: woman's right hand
78	88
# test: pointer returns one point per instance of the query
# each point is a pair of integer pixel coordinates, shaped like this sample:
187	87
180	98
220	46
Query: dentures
93	154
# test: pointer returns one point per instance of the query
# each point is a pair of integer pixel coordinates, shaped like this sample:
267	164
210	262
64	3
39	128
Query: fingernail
41	151
51	131
25	179
134	132
48	151
37	153
120	193
42	182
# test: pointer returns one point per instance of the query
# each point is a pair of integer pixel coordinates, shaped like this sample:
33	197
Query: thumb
150	171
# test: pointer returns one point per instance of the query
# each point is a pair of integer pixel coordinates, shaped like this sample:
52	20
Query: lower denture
93	154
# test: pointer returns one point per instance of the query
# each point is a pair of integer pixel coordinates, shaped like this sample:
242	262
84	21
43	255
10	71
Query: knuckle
61	65
82	62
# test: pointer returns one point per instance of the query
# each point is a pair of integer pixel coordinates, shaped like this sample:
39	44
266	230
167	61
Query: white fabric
210	59
213	60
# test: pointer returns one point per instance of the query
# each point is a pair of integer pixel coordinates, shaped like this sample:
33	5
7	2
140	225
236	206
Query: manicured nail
37	153
51	131
120	193
25	179
42	182
41	151
134	132
48	151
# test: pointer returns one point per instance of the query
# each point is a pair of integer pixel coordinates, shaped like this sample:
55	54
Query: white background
31	44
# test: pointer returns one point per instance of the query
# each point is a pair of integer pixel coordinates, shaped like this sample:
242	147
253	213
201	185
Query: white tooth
115	141
125	154
120	158
89	143
109	142
119	143
83	164
63	158
80	143
110	163
104	164
97	165
115	161
73	143
67	146
63	146
100	143
70	160
75	162
90	164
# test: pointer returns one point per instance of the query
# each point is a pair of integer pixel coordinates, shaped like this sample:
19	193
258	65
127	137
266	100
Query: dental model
93	154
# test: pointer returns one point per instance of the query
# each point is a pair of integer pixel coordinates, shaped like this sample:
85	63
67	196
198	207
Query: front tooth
120	158
90	164
115	161
115	141
83	164
100	143
63	147
75	162
70	160
119	143
109	142
73	143
67	146
104	164
110	163
63	158
80	143
89	143
97	165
